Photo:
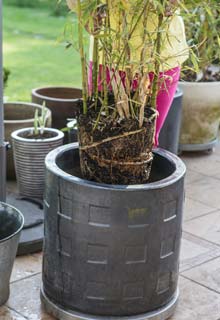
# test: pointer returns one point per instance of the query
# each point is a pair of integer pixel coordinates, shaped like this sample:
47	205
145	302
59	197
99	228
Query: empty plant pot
11	224
170	132
111	250
18	115
62	101
29	156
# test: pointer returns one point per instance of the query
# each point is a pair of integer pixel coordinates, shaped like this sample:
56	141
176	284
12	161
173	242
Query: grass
34	55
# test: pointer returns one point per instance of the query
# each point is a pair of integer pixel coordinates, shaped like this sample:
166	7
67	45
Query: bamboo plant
202	21
117	119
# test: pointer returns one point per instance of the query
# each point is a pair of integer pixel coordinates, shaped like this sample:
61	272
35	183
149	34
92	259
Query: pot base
58	312
198	147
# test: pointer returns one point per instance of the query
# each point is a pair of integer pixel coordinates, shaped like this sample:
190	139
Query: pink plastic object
169	81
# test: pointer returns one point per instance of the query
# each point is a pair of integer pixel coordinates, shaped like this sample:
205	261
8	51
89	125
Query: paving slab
26	266
7	314
194	209
206	227
195	251
196	302
203	163
205	191
25	298
207	274
192	176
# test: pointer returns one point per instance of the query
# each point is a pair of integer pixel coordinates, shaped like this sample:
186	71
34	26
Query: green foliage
6	74
114	26
33	53
56	7
202	21
40	121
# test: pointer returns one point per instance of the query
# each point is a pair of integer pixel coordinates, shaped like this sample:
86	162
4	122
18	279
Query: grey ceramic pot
111	250
29	156
11	224
18	115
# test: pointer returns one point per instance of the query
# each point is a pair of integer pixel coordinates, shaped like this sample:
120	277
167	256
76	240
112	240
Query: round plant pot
11	224
18	115
170	132
29	157
62	101
201	115
111	250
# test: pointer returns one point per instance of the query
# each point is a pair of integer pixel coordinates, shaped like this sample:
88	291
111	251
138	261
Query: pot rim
15	135
31	120
178	93
179	172
35	93
22	221
201	84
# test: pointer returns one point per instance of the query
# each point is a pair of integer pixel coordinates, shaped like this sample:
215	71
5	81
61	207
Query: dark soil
45	135
208	75
115	151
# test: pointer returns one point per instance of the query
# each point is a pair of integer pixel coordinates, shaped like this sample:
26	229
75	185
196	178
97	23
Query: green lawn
35	53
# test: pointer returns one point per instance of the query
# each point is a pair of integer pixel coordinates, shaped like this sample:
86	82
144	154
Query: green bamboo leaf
36	122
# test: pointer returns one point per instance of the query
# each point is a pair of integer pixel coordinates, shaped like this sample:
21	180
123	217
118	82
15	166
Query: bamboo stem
157	64
129	37
82	56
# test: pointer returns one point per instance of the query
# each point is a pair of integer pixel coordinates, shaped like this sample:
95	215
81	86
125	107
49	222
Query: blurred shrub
56	9
6	74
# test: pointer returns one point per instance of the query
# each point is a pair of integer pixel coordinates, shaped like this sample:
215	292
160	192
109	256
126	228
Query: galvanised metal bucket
11	224
29	156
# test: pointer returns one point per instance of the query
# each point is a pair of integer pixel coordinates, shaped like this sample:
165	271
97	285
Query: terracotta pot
62	101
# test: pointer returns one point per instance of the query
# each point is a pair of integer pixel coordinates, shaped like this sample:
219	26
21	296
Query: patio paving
200	254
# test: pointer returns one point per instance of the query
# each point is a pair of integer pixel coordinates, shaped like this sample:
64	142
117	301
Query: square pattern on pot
99	216
97	254
135	254
64	246
167	247
169	210
133	291
163	283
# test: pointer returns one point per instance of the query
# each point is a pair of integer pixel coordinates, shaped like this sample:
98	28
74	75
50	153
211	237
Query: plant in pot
113	206
30	147
18	115
201	78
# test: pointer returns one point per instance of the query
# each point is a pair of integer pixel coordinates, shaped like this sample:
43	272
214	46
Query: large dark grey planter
111	250
11	224
170	132
62	101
